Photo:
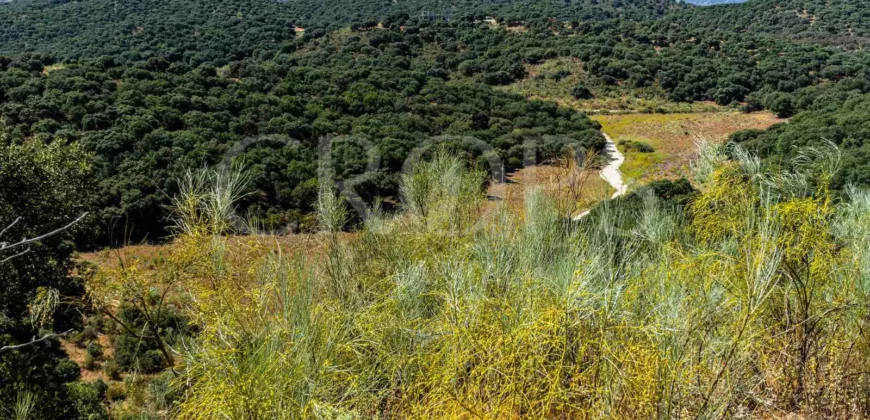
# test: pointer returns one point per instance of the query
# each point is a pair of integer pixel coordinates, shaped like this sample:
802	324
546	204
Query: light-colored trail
611	173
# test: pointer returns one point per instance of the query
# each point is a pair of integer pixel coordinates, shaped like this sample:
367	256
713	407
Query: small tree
581	92
782	105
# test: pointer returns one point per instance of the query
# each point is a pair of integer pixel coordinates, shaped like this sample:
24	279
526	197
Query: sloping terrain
843	23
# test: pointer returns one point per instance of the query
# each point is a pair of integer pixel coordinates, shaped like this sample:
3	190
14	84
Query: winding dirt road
611	173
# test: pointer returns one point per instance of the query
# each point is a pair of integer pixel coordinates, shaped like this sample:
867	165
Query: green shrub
87	334
112	370
151	361
95	350
87	399
581	92
116	391
636	146
134	353
89	362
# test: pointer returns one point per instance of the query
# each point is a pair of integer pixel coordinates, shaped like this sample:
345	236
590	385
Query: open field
573	189
148	256
673	138
554	80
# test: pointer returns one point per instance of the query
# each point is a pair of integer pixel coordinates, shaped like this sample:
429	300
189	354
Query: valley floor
673	138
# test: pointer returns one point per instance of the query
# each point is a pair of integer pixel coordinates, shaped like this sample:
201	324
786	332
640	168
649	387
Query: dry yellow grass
572	188
52	68
673	137
148	256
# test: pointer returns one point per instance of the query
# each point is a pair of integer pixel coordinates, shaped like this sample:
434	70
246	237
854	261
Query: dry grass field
573	189
673	138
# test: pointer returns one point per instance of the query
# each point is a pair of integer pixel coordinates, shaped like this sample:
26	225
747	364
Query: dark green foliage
43	370
95	350
669	198
829	22
112	370
135	353
159	109
581	92
846	125
161	32
782	104
44	187
679	192
219	32
89	362
88	399
672	192
636	146
147	126
47	187
87	335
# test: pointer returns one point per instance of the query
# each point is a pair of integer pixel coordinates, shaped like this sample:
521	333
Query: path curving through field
611	173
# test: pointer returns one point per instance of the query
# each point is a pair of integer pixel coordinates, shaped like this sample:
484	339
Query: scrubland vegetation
334	278
745	298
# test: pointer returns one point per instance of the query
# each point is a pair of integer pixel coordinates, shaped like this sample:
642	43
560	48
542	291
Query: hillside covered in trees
222	30
842	23
738	292
713	2
179	96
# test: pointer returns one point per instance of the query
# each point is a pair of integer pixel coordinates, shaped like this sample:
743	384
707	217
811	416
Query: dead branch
34	341
5	245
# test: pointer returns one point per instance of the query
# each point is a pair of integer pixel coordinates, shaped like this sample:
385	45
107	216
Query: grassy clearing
52	68
554	80
751	303
574	189
673	137
147	257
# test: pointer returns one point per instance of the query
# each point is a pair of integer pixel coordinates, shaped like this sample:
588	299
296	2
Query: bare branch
34	341
15	256
4	246
3	232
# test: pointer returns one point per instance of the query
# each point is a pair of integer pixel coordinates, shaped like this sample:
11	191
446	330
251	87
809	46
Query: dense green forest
174	97
109	110
220	31
713	2
841	23
148	124
844	124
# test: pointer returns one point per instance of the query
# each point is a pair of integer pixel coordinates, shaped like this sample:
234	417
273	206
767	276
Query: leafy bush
44	187
636	146
112	369
840	124
116	392
581	92
89	362
87	399
132	352
95	350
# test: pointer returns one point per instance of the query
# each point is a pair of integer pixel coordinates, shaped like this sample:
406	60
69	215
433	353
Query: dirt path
611	173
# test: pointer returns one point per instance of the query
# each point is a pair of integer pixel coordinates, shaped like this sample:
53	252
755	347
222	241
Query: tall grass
752	302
